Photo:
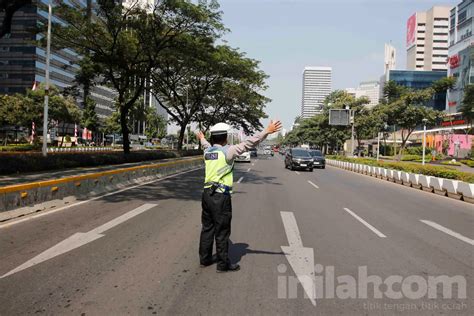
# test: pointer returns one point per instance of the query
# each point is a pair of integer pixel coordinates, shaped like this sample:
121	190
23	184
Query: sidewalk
58	174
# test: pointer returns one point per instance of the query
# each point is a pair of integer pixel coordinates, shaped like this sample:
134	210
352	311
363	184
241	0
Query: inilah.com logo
324	284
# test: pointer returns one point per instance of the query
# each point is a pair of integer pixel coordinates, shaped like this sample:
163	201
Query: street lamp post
424	140
46	89
378	145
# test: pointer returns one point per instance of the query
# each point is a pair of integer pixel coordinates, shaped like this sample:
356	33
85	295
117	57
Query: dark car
298	158
253	152
318	158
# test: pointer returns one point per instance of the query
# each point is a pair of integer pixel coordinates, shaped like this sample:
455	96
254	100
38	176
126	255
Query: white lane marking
248	170
314	185
291	229
372	228
240	180
297	172
43	213
253	164
79	239
448	231
300	258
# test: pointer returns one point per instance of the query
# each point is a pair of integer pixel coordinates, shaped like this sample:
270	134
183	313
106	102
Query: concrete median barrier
451	188
445	187
467	191
82	187
437	185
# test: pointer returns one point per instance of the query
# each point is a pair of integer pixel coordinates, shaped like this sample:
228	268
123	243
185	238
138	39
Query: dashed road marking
448	231
314	185
372	228
240	180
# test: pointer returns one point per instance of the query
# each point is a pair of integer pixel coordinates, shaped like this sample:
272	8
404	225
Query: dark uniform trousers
216	218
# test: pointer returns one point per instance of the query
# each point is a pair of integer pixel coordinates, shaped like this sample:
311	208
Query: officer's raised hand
273	127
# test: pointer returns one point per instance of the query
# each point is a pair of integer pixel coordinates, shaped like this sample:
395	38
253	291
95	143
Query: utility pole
352	132
424	140
46	89
378	145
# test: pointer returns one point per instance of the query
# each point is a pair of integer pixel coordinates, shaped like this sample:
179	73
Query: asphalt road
136	252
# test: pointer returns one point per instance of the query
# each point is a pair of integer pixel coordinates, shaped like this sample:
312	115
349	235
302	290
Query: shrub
450	163
31	162
411	157
20	147
470	163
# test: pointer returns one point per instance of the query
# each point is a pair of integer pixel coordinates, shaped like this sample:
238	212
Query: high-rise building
316	87
461	52
23	63
371	90
351	91
427	39
390	59
416	80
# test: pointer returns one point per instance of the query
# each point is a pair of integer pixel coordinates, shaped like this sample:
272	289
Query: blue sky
347	35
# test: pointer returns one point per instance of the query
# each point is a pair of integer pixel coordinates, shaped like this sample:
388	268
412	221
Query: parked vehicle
299	158
318	158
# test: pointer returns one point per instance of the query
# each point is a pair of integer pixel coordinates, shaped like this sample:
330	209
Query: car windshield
316	153
300	153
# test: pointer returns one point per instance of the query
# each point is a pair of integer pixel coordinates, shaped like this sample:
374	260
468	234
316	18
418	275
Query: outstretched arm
252	141
204	143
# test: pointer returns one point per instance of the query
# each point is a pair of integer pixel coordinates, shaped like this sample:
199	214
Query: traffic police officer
216	198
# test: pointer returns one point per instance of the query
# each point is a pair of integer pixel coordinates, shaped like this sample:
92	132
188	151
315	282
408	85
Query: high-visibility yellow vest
218	171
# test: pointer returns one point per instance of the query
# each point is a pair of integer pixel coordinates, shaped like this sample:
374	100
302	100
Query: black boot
232	267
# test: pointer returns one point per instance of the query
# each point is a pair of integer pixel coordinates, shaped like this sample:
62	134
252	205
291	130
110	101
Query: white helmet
220	129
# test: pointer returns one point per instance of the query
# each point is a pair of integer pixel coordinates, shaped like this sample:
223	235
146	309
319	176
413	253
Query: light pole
378	145
424	140
352	121
46	88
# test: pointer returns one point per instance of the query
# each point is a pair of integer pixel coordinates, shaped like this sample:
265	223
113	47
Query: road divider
23	199
445	187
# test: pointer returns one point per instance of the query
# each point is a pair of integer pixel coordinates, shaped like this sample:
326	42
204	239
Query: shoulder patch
211	156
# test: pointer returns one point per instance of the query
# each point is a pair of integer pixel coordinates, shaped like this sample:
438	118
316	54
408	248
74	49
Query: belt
218	187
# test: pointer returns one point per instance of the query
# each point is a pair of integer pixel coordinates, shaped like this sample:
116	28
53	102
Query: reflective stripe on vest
217	169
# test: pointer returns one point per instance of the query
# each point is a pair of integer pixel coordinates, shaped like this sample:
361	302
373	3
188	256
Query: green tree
467	107
125	44
155	124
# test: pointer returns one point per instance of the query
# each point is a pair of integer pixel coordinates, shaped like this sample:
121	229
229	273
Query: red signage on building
452	123
454	61
411	31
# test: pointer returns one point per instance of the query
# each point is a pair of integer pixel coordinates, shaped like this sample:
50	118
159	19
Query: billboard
411	31
339	117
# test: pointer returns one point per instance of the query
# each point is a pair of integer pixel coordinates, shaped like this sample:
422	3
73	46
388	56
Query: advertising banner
411	31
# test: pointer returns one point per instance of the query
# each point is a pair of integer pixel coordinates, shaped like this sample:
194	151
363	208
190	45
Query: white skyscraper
427	39
316	87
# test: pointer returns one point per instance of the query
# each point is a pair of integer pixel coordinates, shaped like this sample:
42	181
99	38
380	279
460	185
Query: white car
245	157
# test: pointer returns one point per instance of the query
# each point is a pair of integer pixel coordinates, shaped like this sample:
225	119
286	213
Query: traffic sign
339	117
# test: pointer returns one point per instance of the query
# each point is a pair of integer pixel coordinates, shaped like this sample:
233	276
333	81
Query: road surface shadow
238	250
183	187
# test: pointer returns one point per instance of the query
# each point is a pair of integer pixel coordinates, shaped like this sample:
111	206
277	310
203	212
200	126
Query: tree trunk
62	132
182	131
125	132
